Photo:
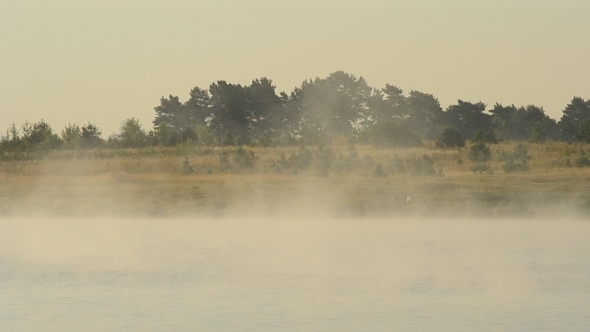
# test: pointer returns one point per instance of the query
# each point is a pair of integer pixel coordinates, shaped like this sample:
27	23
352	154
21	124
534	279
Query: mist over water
301	274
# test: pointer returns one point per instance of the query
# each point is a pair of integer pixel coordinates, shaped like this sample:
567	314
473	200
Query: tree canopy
316	111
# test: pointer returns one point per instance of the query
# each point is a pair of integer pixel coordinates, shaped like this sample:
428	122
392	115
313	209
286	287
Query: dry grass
152	182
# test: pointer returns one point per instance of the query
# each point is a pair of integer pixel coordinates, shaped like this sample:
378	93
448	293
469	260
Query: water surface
294	275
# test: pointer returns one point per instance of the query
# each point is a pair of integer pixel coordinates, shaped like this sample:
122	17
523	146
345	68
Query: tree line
315	112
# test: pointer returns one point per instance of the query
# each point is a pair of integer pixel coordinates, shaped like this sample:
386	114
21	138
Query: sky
106	61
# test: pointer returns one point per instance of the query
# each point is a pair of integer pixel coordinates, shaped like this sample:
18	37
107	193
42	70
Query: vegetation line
321	109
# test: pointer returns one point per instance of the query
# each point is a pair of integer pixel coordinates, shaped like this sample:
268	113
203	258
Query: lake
244	274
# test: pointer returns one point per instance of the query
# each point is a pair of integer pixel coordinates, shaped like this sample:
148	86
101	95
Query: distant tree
468	118
131	135
425	114
337	104
530	117
90	136
574	114
87	136
450	138
393	134
538	135
421	112
583	134
522	123
40	136
176	122
196	109
485	137
172	117
11	144
388	104
230	110
266	111
501	122
204	135
70	135
166	135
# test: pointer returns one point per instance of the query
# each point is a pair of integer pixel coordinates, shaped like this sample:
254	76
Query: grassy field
336	180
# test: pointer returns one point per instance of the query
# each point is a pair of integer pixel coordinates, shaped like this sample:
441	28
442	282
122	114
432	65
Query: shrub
324	158
321	159
228	140
480	155
379	172
421	166
186	166
281	164
397	164
244	158
516	160
582	160
224	160
481	168
300	161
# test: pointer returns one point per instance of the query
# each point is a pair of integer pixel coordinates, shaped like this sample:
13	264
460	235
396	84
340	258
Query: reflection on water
294	275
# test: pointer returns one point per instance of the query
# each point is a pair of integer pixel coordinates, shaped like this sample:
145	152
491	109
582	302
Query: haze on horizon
80	65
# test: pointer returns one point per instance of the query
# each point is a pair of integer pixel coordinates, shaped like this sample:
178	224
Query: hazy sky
104	61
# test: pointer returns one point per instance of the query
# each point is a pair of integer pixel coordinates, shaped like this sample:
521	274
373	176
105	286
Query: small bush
397	164
582	160
379	171
296	162
348	162
224	160
324	158
301	161
244	158
480	155
516	160
228	140
186	166
281	164
421	166
481	168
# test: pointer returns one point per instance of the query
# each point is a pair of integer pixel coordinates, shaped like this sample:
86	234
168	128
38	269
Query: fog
292	274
